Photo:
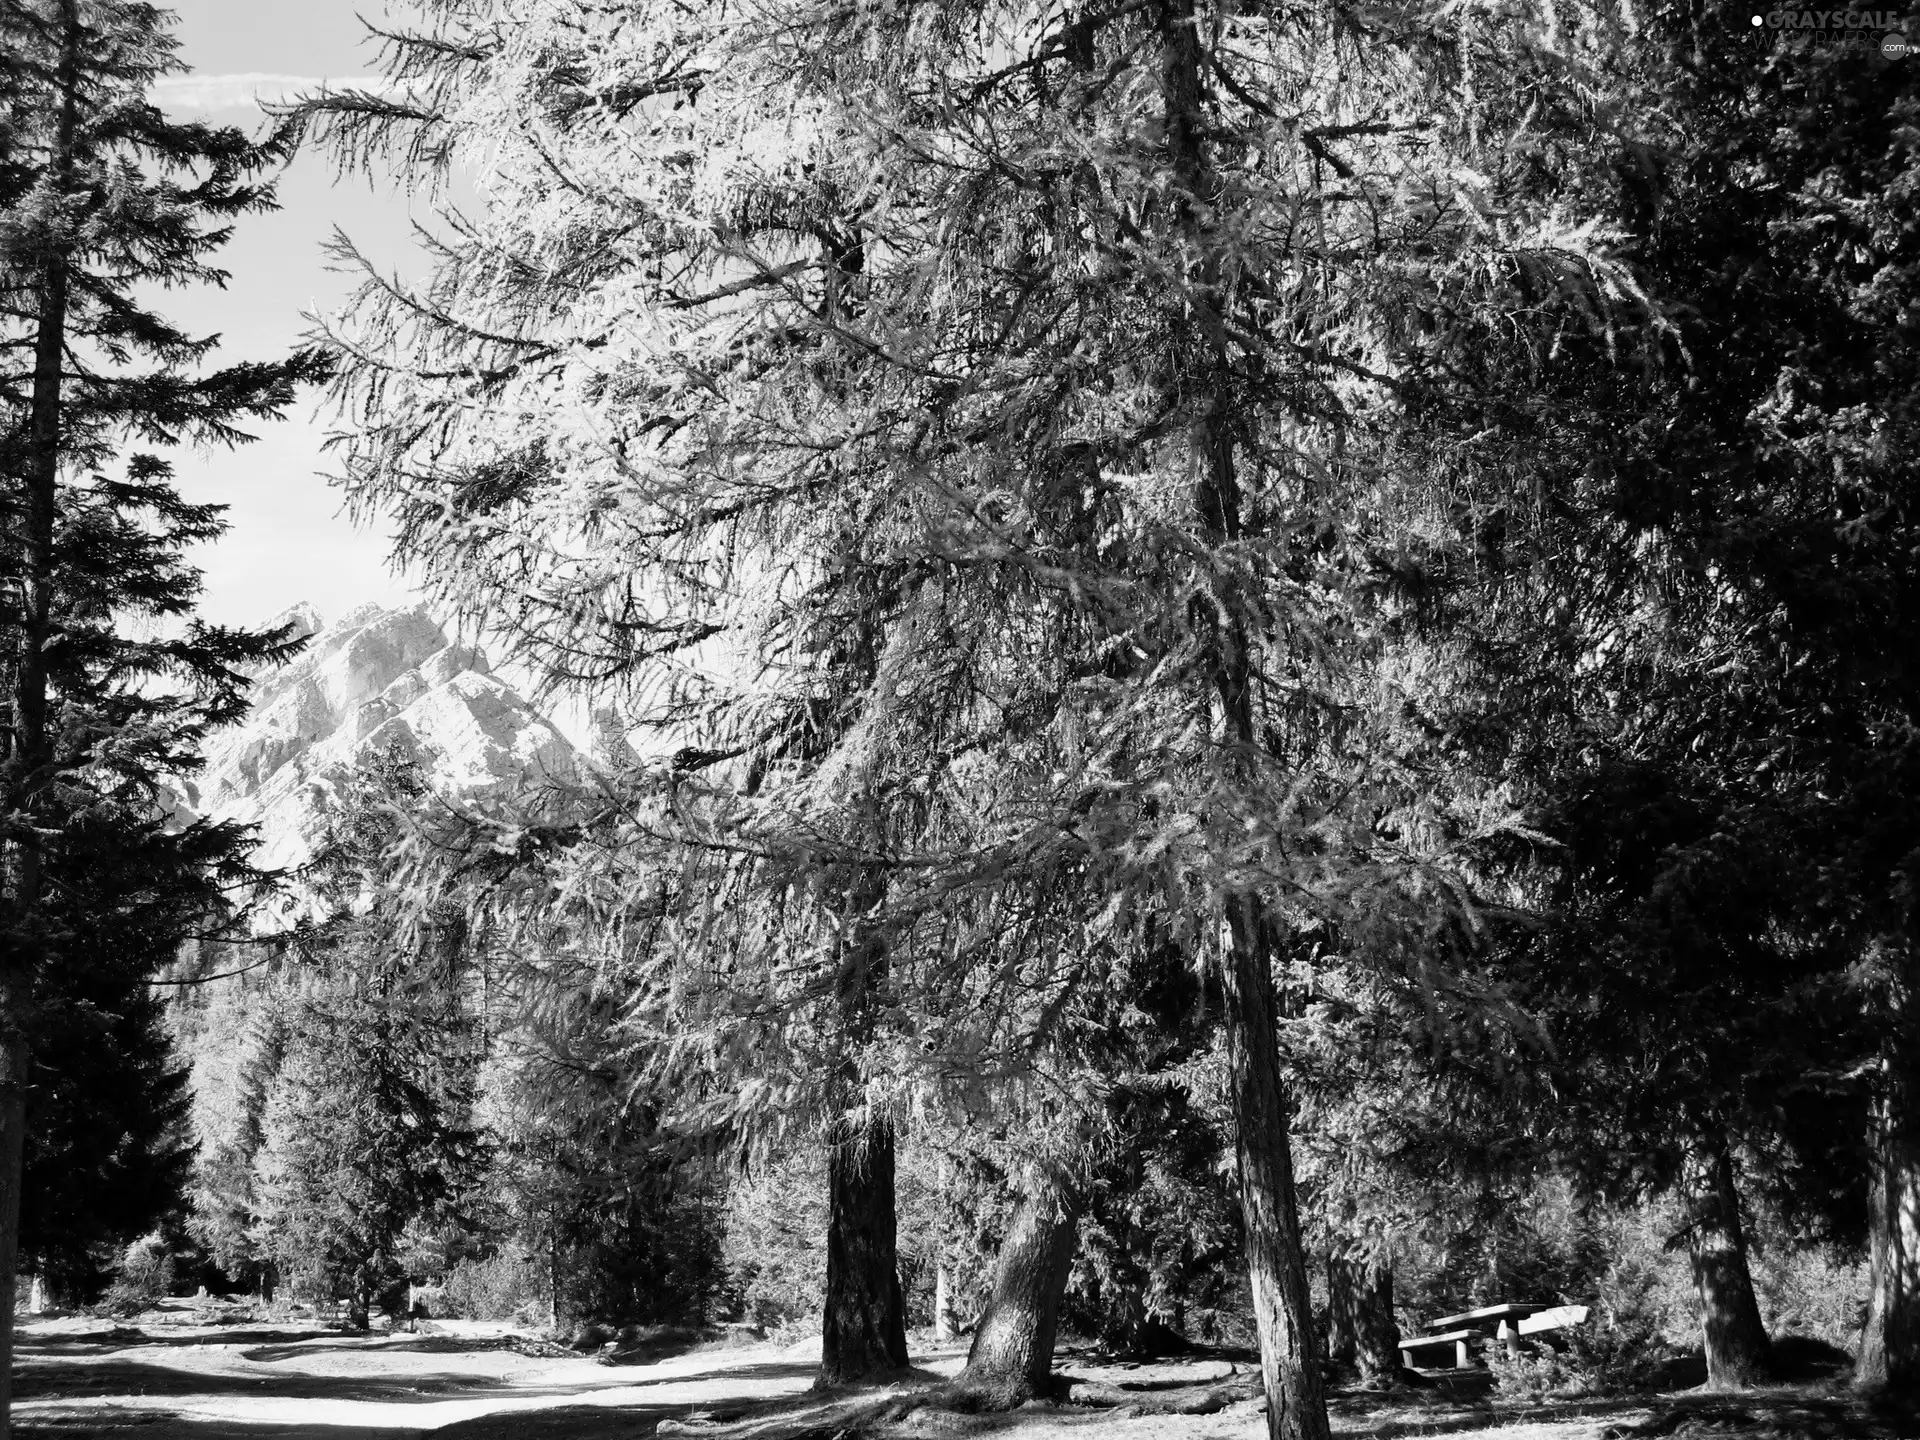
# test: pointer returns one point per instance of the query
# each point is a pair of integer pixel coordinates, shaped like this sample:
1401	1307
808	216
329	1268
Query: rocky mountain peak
302	620
375	682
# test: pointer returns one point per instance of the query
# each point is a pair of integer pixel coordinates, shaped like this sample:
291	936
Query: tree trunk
1011	1361
1125	1326
1361	1330
1735	1340
1276	1262
1343	1316
944	1326
1890	1343
1378	1351
863	1328
13	1132
553	1273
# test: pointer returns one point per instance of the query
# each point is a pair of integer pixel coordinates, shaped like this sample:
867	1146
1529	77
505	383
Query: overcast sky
289	541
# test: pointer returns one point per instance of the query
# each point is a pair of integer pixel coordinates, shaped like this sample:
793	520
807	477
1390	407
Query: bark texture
1360	1326
864	1321
1890	1343
1011	1360
863	1329
945	1327
1343	1335
13	1129
1276	1263
1734	1339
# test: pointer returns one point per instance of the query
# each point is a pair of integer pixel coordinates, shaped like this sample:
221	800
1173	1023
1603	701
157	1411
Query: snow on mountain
374	682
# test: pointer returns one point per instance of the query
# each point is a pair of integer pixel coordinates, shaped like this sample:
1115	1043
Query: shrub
429	1300
143	1278
504	1286
590	1335
1646	1290
1590	1359
1538	1242
1624	1355
1815	1292
1532	1375
774	1243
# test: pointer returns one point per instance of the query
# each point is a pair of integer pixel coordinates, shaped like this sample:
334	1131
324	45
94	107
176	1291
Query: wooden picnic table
1505	1323
1488	1318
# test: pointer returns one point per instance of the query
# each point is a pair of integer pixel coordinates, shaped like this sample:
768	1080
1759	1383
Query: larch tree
101	196
1011	1357
1097	1075
959	431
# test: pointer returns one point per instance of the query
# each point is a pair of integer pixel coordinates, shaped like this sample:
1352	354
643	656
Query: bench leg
1460	1358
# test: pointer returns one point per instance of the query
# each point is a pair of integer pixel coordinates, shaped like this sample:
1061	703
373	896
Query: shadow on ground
133	1377
570	1422
298	1345
765	1370
127	1339
1417	1412
163	1424
100	1381
1802	1412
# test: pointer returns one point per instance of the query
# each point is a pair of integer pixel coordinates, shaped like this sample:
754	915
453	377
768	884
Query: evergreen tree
1787	474
366	1145
236	1042
1001	432
103	198
1697	505
108	1147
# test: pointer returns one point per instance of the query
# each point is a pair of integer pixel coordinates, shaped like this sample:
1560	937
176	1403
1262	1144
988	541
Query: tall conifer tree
1036	348
104	197
1699	607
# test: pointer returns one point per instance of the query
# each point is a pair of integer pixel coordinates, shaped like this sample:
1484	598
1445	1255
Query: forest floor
190	1371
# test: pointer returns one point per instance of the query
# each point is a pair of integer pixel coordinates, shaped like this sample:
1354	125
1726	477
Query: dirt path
169	1376
174	1375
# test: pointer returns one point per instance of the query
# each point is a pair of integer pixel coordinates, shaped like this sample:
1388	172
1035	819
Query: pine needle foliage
819	398
964	433
111	683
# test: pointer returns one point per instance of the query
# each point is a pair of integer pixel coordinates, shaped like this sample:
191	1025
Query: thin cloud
207	94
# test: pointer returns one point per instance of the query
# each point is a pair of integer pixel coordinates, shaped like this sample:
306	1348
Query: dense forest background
1258	665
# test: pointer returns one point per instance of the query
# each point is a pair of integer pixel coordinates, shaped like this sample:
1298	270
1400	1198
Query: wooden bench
1456	1338
1554	1317
1504	1323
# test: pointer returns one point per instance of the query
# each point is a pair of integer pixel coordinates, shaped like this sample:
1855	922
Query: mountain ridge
376	681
